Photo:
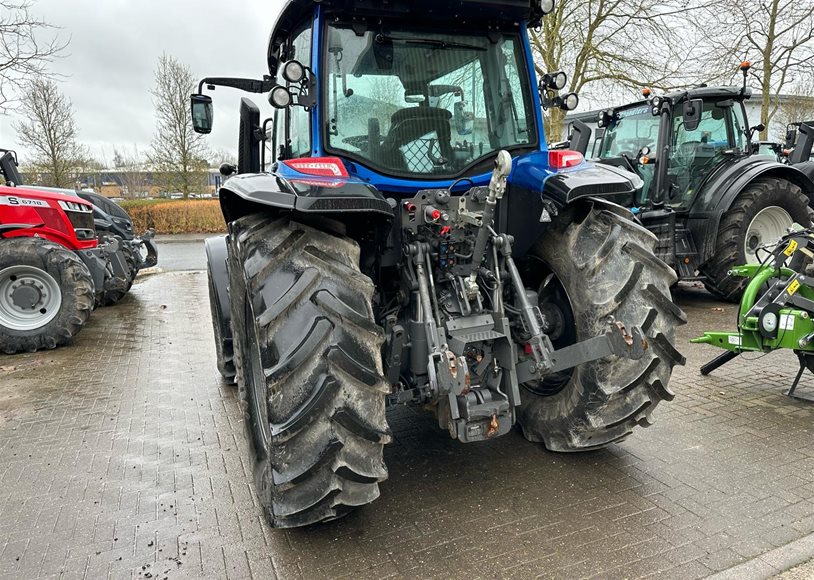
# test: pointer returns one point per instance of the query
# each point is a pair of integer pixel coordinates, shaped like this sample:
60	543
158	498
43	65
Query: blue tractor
399	234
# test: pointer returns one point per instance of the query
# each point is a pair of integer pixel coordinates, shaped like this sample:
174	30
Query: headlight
546	6
293	71
570	101
554	81
280	98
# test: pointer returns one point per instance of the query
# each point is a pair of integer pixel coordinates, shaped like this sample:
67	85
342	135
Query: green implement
776	309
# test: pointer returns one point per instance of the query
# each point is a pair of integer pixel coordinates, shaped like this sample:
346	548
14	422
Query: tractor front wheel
593	265
309	369
749	230
46	295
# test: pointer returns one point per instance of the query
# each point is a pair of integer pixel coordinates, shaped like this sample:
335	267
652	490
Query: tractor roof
707	93
462	14
720	92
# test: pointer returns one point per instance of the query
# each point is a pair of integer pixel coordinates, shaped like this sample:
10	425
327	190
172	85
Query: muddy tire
309	369
600	264
46	295
764	200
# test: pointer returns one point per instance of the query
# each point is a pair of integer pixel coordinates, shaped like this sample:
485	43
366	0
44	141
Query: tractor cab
402	99
677	141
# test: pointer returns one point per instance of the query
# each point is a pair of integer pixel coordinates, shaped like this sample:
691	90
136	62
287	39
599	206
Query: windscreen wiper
442	44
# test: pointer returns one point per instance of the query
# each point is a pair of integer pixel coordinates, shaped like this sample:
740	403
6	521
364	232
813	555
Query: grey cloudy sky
114	46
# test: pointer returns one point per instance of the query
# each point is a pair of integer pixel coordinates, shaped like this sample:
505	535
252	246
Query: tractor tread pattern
321	379
607	254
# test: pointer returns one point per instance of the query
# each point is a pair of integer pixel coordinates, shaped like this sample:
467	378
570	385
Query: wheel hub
27	294
560	326
29	298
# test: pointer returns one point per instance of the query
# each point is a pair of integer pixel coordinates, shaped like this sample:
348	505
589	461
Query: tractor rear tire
606	267
309	369
730	246
40	263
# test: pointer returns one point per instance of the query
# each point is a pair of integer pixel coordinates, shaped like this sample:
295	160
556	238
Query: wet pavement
124	456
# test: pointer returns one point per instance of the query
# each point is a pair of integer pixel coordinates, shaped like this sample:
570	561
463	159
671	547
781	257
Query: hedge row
176	217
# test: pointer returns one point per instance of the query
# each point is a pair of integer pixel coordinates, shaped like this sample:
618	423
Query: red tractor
51	266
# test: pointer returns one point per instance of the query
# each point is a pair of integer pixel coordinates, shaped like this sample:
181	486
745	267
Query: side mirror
692	114
580	137
791	138
201	113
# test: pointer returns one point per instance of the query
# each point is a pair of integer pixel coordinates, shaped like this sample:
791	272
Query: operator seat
407	126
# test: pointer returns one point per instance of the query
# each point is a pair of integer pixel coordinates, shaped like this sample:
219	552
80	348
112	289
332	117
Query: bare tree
131	167
603	44
177	152
777	36
49	129
222	156
27	45
797	105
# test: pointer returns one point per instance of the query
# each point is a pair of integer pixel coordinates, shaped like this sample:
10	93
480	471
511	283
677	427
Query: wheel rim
30	298
556	307
769	225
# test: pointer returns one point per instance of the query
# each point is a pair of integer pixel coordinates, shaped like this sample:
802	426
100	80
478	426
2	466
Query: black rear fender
357	205
719	193
216	258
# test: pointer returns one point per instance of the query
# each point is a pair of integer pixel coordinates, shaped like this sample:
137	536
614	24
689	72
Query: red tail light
318	166
564	158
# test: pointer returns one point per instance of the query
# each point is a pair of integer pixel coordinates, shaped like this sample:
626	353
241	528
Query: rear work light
318	166
564	158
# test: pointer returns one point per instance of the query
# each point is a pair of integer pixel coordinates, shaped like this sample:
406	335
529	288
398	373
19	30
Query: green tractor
708	195
410	240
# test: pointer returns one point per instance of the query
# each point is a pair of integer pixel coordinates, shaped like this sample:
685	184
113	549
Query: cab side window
292	126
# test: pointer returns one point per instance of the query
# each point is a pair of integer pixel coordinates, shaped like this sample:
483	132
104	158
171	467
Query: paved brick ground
123	456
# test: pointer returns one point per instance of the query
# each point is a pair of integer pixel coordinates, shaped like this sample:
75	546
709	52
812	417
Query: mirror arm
247	85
